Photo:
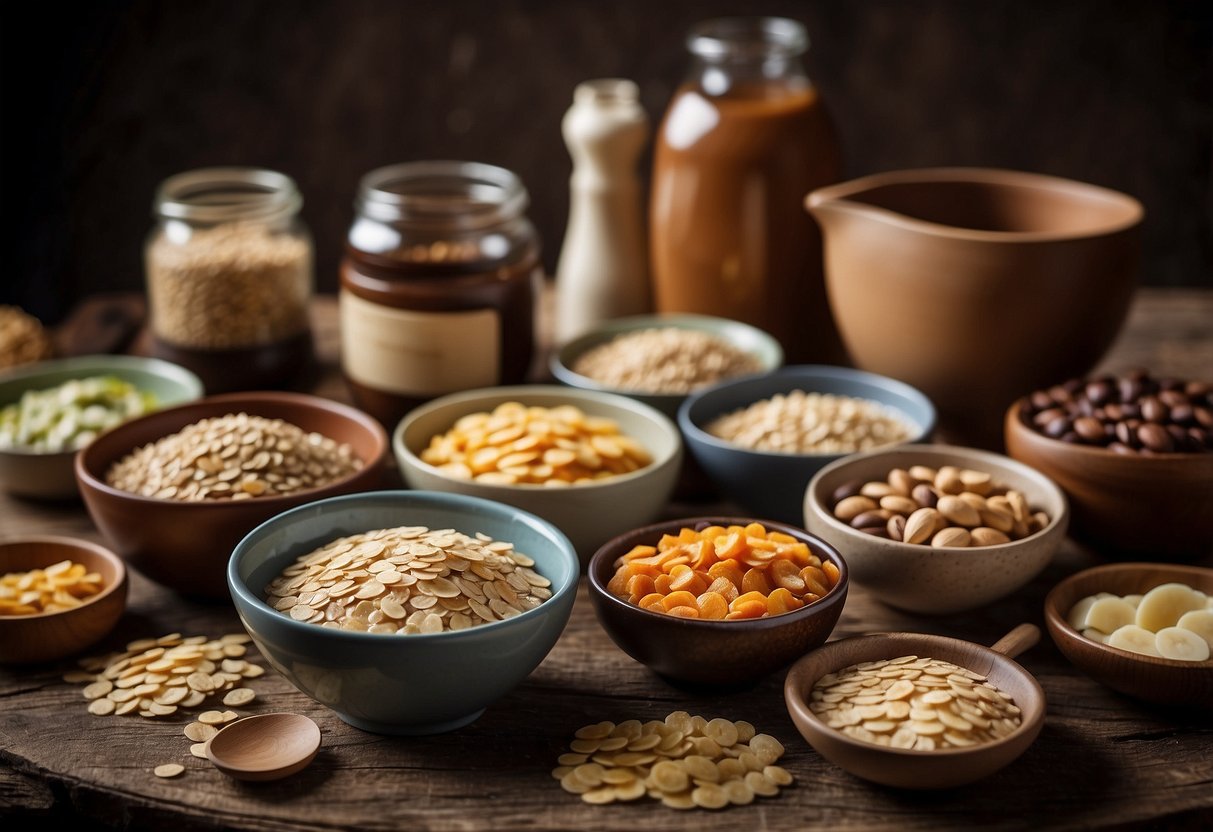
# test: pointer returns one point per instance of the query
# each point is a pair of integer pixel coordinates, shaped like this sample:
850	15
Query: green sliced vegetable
69	416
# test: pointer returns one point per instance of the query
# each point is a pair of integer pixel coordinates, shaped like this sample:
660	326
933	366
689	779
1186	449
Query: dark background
102	100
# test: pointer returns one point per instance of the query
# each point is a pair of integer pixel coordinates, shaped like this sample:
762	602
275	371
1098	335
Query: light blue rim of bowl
459	501
807	372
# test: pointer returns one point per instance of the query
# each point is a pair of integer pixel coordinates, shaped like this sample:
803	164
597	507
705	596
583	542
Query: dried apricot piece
713	605
755	580
680	599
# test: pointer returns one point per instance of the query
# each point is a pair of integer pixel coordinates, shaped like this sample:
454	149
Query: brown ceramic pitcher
977	285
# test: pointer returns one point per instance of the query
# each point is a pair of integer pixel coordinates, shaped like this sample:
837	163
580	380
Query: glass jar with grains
438	285
229	271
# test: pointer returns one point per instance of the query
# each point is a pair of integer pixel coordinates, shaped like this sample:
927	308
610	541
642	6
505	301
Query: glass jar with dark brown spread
438	285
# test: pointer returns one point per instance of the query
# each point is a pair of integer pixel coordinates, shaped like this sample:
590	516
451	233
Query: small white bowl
589	514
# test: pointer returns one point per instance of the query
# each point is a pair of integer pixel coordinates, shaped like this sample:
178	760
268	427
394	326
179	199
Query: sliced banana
1134	639
1178	643
1199	622
1163	605
1095	635
1109	614
1078	613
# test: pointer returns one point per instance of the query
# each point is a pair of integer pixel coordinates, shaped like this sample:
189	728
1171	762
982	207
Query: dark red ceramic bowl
185	546
713	654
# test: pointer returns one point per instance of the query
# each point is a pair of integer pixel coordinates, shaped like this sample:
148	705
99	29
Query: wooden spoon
906	768
265	746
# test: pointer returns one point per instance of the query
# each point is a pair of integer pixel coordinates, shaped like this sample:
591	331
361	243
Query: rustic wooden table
1101	761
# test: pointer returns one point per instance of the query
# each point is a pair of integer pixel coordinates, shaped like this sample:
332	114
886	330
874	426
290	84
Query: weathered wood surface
1101	761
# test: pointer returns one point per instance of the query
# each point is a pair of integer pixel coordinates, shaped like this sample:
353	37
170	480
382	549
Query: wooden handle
1018	640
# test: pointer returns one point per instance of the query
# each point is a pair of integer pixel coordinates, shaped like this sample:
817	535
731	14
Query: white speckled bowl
919	578
590	514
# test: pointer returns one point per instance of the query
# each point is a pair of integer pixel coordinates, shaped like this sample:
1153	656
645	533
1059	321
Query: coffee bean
1060	394
1045	416
1155	437
1134	412
1130	389
1153	410
1099	392
1172	397
1089	428
1057	428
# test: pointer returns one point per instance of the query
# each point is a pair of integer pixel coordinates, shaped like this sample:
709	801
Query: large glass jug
744	140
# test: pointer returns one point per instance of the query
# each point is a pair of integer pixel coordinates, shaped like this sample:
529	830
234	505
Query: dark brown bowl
907	769
1148	678
185	546
712	654
1156	507
29	639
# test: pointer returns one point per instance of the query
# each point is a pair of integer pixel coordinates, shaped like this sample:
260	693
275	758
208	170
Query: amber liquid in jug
742	143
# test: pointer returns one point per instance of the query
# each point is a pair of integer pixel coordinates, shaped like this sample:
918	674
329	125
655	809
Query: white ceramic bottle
602	271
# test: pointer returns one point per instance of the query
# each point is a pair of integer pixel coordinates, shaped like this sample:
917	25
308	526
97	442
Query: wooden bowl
185	546
1148	678
1133	507
910	769
706	654
29	639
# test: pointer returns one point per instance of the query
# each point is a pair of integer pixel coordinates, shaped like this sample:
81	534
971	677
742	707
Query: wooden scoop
904	768
265	747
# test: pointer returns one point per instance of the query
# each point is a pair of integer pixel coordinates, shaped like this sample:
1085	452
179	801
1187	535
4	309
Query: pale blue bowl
770	484
391	684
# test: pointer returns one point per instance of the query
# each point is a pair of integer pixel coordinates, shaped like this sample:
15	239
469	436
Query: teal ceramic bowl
402	684
771	484
50	475
763	346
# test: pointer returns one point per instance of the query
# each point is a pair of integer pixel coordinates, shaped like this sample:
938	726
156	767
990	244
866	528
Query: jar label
407	352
